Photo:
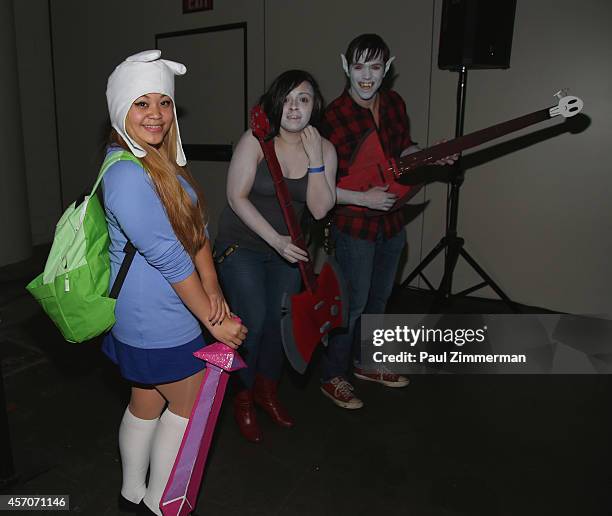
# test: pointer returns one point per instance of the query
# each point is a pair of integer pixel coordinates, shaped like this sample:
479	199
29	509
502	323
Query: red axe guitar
309	316
370	168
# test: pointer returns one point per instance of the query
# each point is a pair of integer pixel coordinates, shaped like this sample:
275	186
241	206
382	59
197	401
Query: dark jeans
253	283
369	270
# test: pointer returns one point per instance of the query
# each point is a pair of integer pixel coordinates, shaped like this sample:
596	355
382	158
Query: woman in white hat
171	286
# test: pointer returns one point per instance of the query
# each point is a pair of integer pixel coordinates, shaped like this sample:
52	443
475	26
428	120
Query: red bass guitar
369	166
307	317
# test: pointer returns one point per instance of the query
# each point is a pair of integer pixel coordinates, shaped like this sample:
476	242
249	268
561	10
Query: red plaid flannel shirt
344	124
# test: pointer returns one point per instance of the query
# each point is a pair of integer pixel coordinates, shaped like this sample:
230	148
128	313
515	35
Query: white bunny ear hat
138	75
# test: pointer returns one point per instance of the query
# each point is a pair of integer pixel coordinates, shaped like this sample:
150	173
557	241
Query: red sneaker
341	393
382	376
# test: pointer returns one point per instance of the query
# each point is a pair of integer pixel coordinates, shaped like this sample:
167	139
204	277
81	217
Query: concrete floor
446	445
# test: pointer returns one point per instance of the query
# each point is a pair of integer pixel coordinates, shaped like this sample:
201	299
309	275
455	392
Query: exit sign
192	6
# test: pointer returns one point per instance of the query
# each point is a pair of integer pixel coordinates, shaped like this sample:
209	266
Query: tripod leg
426	261
489	281
443	293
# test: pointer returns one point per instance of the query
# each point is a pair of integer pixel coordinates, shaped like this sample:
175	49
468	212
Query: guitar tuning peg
561	93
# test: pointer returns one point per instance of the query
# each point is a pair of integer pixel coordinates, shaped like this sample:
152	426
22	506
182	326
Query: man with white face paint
367	248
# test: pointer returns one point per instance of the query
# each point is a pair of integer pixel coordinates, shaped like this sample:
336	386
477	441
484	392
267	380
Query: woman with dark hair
257	262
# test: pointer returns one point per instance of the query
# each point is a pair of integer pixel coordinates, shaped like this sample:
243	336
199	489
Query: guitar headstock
568	105
259	123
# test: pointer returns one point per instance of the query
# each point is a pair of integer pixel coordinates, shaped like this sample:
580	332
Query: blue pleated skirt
154	366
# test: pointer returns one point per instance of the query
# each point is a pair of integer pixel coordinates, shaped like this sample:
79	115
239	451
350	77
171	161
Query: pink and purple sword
181	491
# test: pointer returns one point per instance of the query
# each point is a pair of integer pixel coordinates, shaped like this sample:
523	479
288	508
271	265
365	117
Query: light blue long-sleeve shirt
149	313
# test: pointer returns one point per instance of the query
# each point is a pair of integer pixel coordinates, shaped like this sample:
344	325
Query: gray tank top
263	196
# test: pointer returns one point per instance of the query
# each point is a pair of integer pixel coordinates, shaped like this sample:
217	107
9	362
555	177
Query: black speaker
476	34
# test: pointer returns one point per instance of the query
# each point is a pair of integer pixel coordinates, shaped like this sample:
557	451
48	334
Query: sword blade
184	482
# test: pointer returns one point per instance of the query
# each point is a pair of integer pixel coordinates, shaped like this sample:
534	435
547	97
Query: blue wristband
315	170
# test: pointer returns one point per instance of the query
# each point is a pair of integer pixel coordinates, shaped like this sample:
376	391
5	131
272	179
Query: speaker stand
451	243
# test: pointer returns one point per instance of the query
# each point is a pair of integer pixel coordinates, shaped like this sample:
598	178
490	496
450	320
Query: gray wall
14	220
539	219
38	114
534	214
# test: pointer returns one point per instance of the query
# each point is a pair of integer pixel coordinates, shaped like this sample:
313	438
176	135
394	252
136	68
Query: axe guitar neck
284	198
468	141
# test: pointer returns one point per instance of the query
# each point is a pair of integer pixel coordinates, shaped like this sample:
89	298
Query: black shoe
144	510
125	505
138	508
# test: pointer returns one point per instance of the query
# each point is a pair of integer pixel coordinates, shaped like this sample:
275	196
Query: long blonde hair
187	219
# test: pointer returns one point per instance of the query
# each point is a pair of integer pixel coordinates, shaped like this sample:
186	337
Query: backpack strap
129	249
111	159
130	252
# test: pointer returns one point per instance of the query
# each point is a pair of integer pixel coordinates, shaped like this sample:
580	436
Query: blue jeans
369	270
253	283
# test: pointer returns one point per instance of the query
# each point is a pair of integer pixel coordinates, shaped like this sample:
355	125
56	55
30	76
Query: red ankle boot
244	412
264	394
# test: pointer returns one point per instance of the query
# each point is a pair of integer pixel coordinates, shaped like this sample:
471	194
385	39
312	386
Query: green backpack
74	287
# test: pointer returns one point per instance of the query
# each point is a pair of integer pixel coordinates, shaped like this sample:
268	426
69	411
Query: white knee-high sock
135	438
166	444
